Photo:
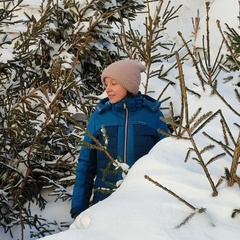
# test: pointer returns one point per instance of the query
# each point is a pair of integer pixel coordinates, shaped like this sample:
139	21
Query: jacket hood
133	104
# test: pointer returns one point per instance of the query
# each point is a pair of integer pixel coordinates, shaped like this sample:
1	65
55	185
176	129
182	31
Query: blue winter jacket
132	128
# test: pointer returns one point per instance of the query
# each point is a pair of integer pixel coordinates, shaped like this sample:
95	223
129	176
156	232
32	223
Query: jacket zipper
125	134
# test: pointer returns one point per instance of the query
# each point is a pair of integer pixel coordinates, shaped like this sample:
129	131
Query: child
131	121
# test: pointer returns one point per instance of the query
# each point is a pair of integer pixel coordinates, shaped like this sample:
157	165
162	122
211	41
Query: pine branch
184	105
224	101
220	181
201	161
196	210
213	115
235	212
229	47
226	148
186	219
220	155
195	63
235	161
200	122
170	192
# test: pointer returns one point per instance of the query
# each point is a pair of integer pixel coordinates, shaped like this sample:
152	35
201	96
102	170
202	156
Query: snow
5	55
140	209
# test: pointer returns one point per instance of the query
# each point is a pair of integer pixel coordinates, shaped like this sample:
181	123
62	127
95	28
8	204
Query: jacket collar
133	104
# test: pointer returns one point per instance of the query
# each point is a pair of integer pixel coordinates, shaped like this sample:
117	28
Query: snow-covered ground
141	210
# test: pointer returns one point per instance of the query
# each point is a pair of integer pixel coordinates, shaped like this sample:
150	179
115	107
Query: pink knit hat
126	72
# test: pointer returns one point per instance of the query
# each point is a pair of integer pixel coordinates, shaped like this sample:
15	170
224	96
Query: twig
171	192
196	210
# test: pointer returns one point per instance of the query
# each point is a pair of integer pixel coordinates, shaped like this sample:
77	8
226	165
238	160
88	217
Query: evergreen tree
45	87
233	46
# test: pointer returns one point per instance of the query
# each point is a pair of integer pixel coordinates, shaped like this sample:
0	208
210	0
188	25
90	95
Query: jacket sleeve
85	174
162	126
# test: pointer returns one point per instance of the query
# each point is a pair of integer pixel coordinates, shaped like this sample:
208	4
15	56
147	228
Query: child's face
115	91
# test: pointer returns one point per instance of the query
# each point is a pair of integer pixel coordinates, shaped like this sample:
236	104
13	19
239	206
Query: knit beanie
126	72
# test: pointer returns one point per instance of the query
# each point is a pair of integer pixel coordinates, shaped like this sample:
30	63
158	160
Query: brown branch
233	177
170	192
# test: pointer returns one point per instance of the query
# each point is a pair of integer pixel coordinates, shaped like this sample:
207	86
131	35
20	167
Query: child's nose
108	88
